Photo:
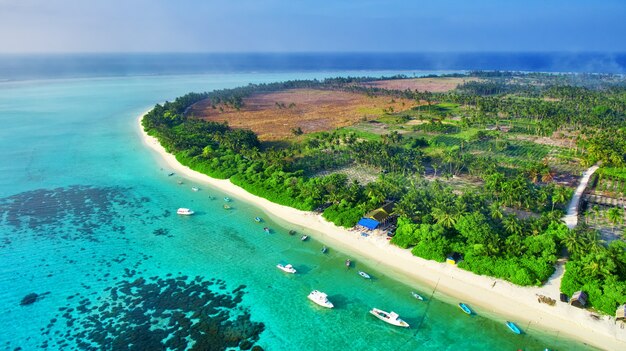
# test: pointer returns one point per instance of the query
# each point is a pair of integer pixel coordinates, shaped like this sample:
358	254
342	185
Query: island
461	181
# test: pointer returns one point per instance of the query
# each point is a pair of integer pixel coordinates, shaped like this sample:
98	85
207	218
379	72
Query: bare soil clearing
272	116
435	85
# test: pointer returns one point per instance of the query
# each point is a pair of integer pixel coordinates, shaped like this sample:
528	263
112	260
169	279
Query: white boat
389	317
184	211
320	298
195	188
304	237
364	275
417	296
286	268
227	199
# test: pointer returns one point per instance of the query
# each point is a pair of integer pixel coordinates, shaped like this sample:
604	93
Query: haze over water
87	211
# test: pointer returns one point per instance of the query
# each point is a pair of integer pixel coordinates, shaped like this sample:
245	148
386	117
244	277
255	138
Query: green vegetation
465	169
595	268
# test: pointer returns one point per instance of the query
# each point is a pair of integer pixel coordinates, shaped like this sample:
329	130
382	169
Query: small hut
454	258
620	313
579	299
382	215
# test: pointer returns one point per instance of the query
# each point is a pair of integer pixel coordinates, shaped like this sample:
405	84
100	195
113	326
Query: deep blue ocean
95	257
19	67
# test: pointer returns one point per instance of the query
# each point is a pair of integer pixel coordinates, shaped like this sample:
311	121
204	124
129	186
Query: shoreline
495	298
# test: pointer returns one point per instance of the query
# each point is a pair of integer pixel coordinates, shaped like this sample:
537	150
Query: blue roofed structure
368	223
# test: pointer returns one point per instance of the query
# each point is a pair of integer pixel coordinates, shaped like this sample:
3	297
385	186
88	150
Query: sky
55	26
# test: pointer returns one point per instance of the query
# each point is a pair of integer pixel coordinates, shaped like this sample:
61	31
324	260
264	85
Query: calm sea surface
87	222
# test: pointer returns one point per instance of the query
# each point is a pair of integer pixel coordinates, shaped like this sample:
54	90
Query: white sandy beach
502	301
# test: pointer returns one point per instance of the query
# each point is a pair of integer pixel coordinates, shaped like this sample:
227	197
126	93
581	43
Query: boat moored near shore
417	296
288	268
514	328
320	298
184	211
389	317
465	308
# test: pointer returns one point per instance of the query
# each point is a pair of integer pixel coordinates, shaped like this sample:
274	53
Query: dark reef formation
70	213
156	314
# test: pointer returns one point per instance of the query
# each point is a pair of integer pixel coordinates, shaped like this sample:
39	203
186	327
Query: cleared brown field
435	85
309	109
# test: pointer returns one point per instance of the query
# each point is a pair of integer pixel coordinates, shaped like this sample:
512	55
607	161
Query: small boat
227	199
320	298
465	308
180	182
417	296
170	174
514	328
184	211
324	249
195	188
292	232
267	230
226	207
258	219
304	237
389	317
286	268
364	275
348	263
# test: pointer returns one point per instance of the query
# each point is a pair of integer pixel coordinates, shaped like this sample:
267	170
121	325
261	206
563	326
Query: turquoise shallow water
84	207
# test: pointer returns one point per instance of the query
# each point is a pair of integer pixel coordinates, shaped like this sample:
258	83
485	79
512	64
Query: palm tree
512	225
559	195
573	242
444	218
495	210
616	216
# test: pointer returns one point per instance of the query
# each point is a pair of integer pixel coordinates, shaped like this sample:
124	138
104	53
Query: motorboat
389	317
304	237
324	249
258	219
180	182
292	232
288	268
184	211
320	298
514	328
348	263
267	230
170	174
417	296
226	207
364	275
227	199
465	308
195	188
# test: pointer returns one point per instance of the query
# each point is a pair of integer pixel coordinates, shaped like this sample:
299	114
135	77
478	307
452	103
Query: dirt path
571	218
552	287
